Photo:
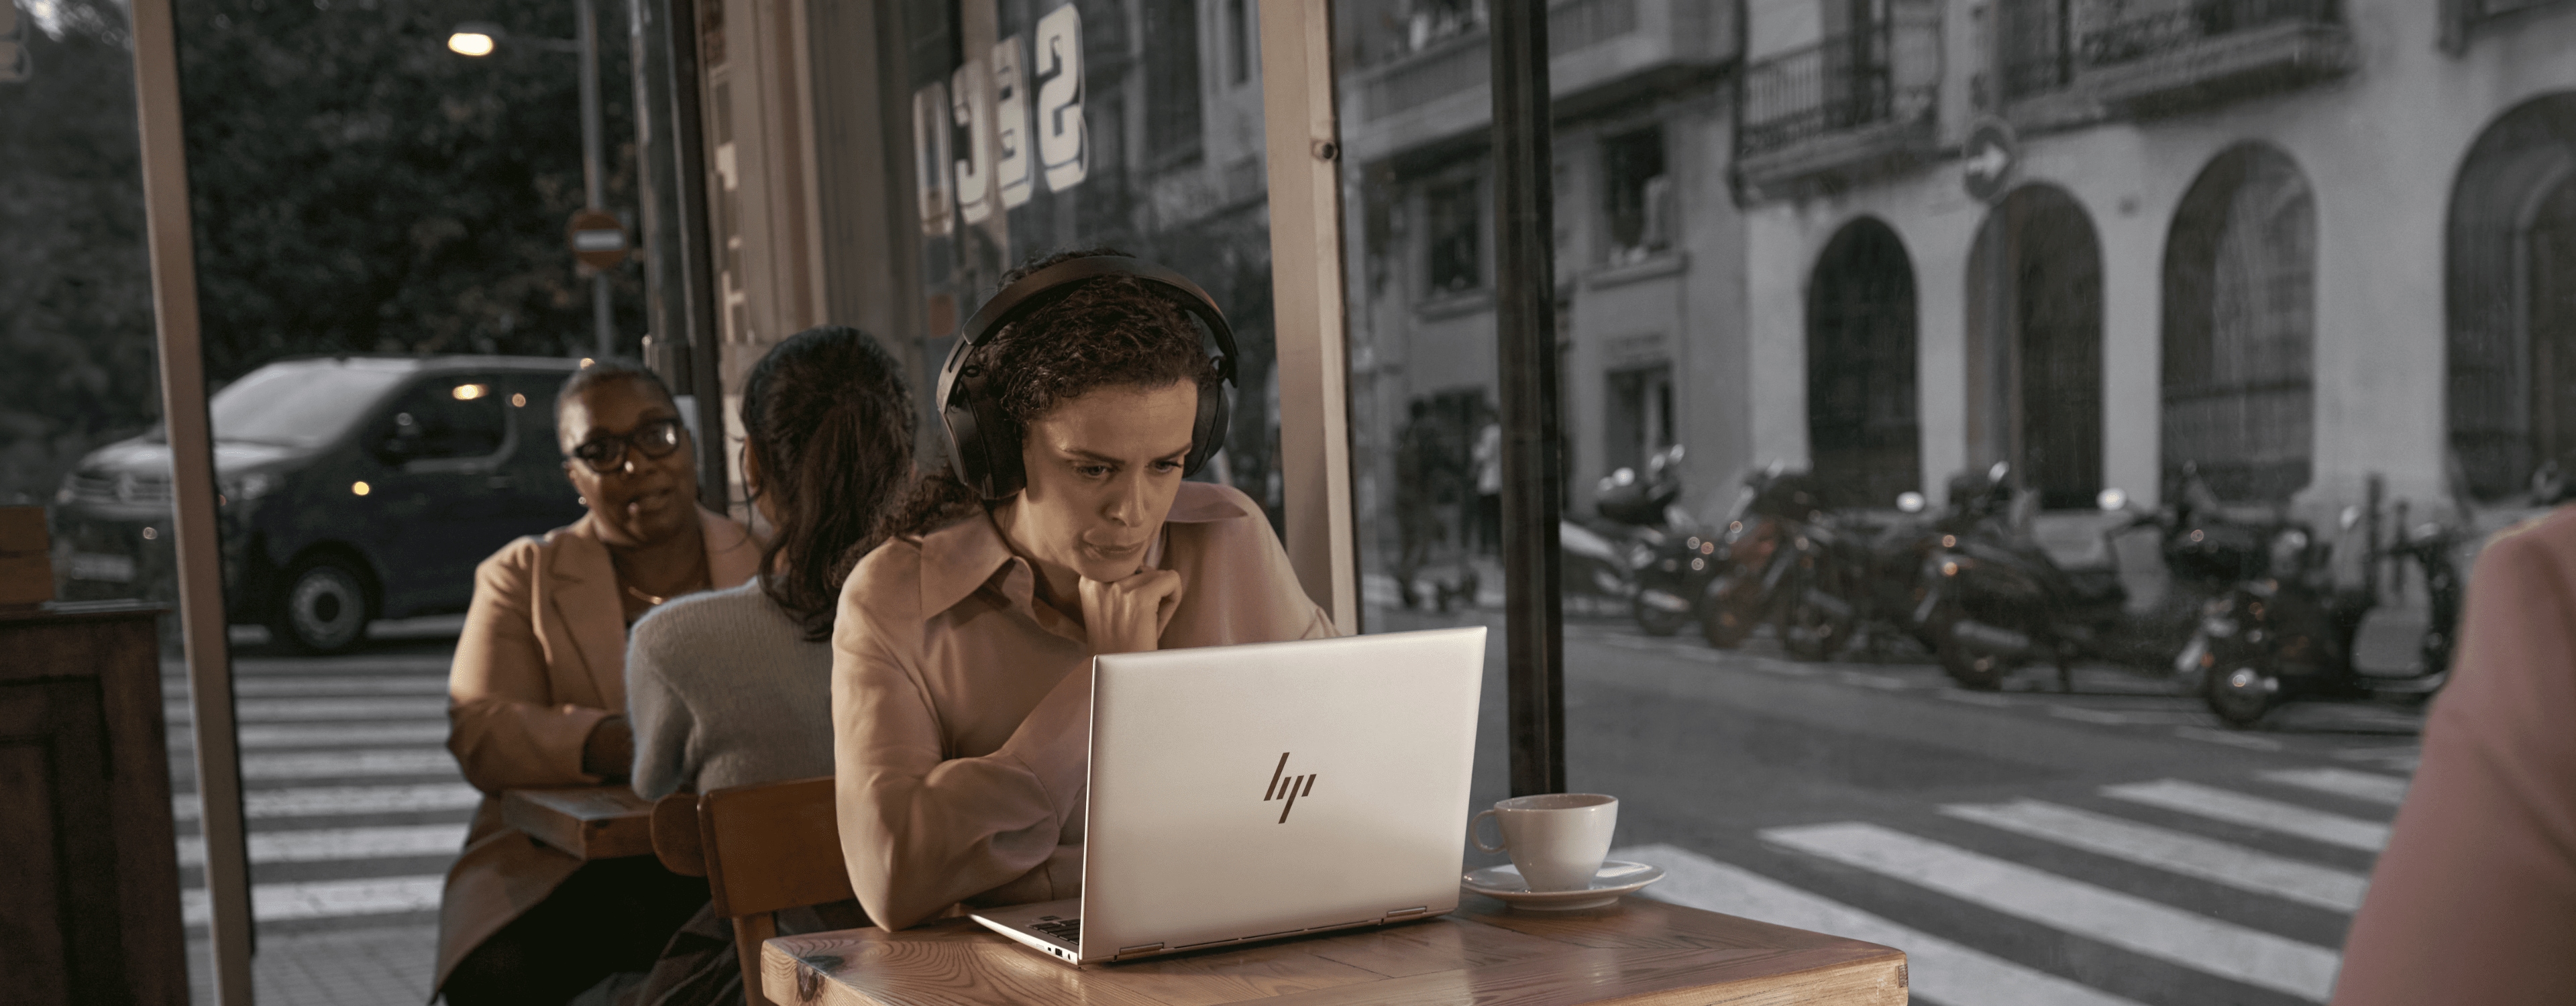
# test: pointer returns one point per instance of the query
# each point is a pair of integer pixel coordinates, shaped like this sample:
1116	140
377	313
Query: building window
2510	285
2038	50
1457	262
2240	321
1171	57
1862	427
1640	419
2035	360
1638	193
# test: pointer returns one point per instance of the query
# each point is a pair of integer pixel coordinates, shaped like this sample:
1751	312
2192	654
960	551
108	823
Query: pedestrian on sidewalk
537	697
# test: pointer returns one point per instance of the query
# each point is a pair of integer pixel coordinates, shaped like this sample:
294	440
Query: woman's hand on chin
1127	616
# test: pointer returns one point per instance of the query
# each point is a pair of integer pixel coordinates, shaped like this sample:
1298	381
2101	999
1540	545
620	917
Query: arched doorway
1862	430
2035	345
2240	328
2510	292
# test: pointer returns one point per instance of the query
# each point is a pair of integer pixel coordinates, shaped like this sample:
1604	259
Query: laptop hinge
1141	948
1405	913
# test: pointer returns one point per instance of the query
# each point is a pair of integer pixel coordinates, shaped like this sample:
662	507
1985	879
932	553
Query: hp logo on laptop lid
1287	787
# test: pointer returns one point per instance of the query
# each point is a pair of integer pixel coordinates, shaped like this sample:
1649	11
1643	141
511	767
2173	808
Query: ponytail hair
827	417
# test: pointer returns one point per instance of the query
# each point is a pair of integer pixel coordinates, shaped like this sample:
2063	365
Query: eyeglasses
606	452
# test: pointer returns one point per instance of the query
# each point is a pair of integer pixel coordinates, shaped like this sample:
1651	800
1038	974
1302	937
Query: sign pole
192	491
603	312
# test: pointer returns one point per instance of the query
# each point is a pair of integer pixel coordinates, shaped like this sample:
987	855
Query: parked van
350	488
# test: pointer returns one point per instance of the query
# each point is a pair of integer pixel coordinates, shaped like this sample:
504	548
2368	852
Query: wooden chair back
767	848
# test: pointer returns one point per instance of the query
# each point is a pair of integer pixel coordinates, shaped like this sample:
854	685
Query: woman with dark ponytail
733	687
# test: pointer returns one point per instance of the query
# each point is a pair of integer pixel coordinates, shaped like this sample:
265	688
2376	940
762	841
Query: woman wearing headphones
1075	403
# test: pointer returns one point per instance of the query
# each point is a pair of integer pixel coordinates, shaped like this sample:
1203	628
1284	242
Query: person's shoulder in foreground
2474	899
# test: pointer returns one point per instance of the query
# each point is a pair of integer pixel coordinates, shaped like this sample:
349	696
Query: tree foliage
355	188
76	363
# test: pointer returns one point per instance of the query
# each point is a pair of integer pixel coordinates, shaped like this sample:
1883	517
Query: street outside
2111	845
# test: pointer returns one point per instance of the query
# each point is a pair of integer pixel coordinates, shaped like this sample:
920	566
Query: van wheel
323	607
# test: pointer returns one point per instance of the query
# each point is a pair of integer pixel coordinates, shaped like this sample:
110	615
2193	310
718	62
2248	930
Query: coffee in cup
1557	840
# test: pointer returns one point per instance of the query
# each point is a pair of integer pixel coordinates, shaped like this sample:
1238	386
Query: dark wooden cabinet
89	873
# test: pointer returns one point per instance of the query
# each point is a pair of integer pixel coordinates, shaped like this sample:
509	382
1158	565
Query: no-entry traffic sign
598	240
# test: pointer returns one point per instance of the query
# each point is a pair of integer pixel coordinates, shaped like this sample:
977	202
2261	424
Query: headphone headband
982	440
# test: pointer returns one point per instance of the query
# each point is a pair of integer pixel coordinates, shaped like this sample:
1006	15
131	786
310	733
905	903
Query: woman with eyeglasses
537	697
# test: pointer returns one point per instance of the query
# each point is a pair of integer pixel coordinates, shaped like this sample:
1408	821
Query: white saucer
1615	878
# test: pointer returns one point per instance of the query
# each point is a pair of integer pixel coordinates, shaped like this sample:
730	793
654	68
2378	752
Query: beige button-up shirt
961	708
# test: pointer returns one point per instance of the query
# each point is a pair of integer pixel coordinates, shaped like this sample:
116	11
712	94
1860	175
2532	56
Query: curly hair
827	417
1114	331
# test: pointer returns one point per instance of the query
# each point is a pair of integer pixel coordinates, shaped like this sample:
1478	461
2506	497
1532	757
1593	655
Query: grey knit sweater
723	690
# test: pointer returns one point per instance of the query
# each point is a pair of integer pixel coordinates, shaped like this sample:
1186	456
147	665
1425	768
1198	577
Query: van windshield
302	403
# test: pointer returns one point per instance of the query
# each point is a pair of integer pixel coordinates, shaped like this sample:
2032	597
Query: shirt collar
959	559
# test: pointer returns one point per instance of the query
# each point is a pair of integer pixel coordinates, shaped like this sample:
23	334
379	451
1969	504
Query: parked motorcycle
1727	578
2294	634
1999	601
1860	577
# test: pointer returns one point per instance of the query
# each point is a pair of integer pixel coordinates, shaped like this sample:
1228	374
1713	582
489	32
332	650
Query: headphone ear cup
1216	413
982	440
1005	470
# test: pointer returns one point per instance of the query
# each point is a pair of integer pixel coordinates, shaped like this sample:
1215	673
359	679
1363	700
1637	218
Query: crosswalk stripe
2254	811
1939	970
340	844
2124	718
254	736
2190	855
326	899
326	801
323	685
291	710
2369	787
336	764
2170	934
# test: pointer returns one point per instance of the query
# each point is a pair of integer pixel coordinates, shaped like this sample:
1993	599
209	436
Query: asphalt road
2112	845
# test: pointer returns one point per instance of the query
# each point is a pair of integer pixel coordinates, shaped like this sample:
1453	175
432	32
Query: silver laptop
1243	793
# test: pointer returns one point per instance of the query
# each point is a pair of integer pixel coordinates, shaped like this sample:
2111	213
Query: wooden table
1638	951
590	822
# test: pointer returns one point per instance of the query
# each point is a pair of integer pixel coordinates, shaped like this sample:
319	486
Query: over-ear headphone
984	441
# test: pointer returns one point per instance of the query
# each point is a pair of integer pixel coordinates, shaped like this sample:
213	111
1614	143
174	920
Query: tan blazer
2474	900
542	660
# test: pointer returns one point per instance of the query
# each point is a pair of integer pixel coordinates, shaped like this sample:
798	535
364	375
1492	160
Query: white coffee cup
1557	840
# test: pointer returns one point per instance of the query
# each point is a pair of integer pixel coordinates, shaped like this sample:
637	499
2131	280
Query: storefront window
1042	126
1928	374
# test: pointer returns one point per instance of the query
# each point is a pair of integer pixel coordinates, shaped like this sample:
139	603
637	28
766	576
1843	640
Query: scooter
1863	581
2293	634
1998	601
1728	578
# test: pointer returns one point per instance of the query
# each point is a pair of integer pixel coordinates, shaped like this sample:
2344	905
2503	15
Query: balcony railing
2194	24
1845	83
2166	55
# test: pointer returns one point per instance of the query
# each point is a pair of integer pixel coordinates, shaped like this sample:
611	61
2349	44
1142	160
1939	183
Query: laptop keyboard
1067	930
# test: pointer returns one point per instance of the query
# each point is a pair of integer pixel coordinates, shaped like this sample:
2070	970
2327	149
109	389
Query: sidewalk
381	966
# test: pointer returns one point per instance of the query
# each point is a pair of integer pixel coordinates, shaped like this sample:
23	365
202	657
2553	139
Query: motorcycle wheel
1725	620
1811	633
2242	696
1981	672
1657	621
